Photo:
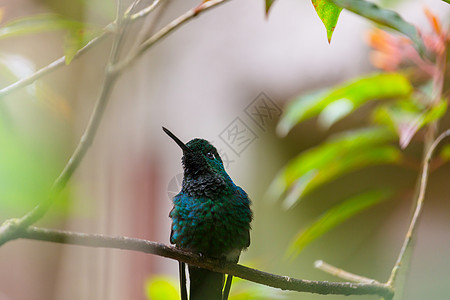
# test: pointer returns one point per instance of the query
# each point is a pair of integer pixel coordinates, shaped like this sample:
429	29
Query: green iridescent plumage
211	215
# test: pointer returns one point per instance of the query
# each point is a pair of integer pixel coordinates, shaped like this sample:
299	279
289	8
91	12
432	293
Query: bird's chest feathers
210	216
212	187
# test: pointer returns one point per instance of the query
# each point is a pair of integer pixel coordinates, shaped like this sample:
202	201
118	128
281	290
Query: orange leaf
434	21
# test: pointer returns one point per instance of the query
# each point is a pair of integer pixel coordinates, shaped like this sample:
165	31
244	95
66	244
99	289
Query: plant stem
323	266
429	145
420	199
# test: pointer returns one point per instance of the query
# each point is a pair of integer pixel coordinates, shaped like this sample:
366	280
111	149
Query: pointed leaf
335	216
353	94
340	166
309	162
384	17
328	12
268	6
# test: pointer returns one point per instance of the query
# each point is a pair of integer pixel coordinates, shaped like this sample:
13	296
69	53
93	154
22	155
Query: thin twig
148	25
9	227
323	266
146	11
268	279
61	62
187	16
429	145
413	225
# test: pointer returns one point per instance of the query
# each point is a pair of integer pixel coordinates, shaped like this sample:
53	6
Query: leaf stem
323	266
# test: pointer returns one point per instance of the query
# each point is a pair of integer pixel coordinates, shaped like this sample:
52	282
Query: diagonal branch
272	280
421	196
429	146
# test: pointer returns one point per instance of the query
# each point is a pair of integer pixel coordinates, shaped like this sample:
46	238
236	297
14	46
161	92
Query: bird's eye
210	155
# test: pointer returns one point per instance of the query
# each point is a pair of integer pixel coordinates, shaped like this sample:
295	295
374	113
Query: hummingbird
211	216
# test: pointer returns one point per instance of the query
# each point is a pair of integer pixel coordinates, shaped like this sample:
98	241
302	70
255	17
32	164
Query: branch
323	266
421	196
272	280
9	228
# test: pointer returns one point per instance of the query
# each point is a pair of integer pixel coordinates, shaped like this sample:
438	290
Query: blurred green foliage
78	34
334	104
167	288
27	172
336	215
162	288
399	109
341	154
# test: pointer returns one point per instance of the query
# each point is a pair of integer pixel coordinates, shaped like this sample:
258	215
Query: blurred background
201	81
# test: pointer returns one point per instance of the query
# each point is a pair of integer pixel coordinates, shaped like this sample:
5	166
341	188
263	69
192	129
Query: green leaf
76	39
335	216
408	116
339	167
161	288
78	33
268	6
445	153
38	23
340	154
336	103
334	112
328	12
384	17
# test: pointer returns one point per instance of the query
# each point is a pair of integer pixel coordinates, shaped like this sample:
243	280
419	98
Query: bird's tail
205	284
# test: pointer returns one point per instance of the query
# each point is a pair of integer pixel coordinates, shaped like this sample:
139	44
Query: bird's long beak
177	140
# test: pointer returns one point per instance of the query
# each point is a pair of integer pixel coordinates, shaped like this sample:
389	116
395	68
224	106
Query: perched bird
211	216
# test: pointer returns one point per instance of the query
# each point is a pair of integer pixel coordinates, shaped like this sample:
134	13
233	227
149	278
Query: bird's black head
200	158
